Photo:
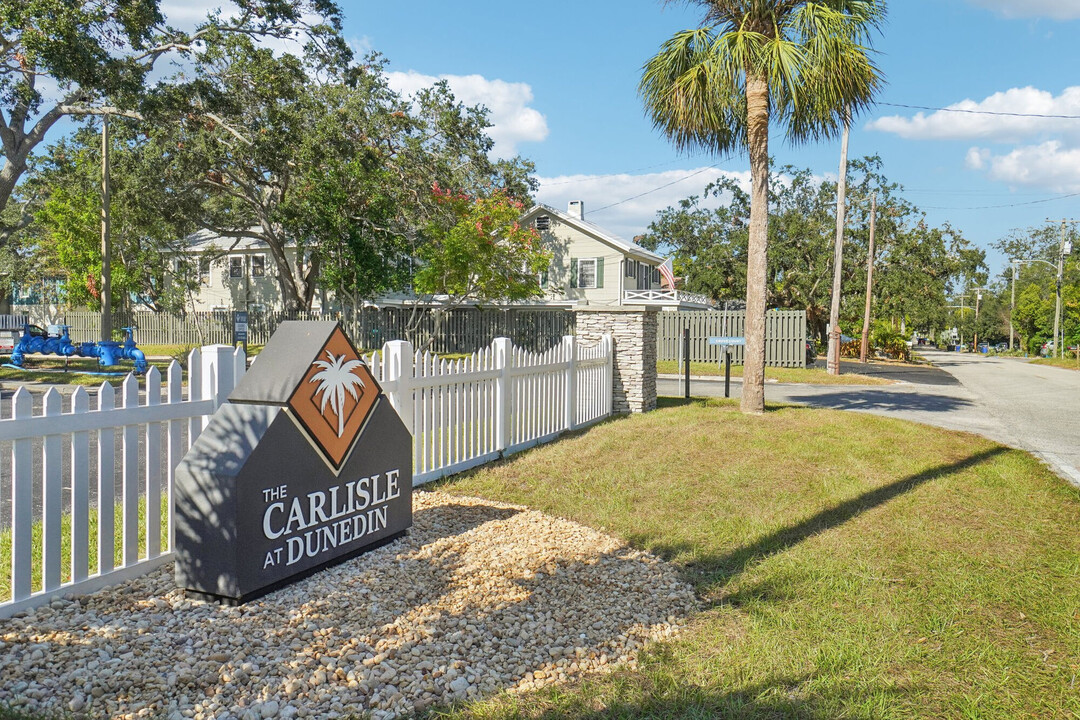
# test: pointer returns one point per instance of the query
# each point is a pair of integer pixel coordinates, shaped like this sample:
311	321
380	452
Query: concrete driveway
1031	407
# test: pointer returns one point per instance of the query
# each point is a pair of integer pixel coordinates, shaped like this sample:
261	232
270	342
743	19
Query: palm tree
335	378
717	88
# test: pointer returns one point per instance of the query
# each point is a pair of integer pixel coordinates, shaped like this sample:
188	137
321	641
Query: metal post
727	371
686	362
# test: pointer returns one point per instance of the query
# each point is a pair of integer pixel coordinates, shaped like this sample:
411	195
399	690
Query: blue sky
561	81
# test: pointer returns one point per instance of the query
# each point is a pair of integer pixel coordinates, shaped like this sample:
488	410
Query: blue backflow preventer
108	352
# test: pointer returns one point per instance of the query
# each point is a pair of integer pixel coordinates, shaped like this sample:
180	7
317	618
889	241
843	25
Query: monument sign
306	465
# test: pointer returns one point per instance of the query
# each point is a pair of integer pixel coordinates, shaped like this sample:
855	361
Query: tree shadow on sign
719	569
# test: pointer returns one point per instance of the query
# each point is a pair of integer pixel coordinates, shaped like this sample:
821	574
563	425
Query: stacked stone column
633	334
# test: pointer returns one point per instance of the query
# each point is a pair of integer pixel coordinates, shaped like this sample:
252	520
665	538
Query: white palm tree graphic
336	377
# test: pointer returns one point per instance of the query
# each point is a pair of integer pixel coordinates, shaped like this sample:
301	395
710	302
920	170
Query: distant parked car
1001	347
10	338
811	353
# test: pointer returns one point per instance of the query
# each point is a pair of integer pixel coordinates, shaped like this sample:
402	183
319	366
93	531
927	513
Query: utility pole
833	360
106	239
1059	331
978	297
865	348
1012	306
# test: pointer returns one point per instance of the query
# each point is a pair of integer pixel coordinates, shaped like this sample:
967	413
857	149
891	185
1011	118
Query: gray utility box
306	465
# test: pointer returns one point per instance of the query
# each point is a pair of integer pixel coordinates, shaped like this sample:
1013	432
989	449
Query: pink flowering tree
482	254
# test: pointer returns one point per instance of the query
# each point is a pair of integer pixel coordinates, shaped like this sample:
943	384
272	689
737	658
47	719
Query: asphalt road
1031	407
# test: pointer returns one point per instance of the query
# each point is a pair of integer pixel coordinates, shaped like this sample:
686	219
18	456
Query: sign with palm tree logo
306	465
335	398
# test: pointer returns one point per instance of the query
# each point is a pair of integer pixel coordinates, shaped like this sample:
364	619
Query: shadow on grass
881	401
661	695
719	569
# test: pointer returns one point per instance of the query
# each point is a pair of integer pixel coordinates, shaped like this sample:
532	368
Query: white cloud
513	121
967	126
632	217
977	158
1050	166
1057	9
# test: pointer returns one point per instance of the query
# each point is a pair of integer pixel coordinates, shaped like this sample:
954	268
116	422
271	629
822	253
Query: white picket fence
462	413
66	435
498	401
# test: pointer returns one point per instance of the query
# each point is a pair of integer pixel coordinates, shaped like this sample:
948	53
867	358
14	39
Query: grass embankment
1067	363
65	546
851	566
813	376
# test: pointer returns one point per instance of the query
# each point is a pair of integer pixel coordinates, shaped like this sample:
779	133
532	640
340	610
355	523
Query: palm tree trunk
757	130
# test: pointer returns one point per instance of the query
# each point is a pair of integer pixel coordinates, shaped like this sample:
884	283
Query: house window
258	266
204	271
236	267
586	268
631	268
543	222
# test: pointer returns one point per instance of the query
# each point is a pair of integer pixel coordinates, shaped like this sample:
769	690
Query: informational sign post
305	466
727	342
240	328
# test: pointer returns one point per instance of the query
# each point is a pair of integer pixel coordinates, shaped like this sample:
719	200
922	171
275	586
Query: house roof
594	230
201	240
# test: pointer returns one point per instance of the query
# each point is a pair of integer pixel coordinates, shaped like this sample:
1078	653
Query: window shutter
599	272
573	272
544	278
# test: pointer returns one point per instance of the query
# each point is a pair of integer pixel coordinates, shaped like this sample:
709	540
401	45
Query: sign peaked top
284	362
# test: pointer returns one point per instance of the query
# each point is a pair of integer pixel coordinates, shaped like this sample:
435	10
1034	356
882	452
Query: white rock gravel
479	597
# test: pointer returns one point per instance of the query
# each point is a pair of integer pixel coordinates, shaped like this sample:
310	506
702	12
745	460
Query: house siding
568	244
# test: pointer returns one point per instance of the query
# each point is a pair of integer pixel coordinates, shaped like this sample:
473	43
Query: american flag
667	273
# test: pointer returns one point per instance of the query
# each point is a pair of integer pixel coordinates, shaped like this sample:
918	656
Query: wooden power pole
106	239
865	349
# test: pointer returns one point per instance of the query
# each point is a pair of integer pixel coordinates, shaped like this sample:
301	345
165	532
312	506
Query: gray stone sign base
633	333
255	595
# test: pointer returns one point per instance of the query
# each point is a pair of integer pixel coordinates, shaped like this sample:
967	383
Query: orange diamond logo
335	398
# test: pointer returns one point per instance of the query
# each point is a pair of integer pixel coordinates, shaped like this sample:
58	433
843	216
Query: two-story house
592	266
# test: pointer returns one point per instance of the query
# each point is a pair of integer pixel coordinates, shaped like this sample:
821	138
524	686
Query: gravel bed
480	597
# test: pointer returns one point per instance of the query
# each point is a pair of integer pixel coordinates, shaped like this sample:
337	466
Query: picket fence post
570	399
503	352
221	370
397	358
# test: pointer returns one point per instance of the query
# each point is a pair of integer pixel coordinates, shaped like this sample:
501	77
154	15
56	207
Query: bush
889	342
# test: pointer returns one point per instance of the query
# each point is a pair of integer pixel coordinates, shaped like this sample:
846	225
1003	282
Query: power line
982	112
625	172
1009	205
647	192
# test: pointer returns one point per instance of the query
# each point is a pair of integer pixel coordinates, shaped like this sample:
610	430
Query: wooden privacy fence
785	335
462	330
122	453
101	446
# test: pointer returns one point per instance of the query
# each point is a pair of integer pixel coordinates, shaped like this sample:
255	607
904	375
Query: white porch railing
498	401
666	297
155	423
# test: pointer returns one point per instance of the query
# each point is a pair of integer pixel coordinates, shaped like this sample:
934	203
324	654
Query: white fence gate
462	413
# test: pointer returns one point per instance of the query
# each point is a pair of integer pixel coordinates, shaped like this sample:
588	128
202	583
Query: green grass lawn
65	546
815	376
851	566
1067	363
51	369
